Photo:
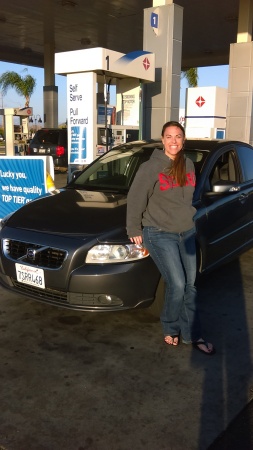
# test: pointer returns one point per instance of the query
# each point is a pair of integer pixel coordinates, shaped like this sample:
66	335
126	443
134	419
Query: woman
161	216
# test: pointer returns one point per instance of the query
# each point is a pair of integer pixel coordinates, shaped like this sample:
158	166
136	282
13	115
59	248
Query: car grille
33	254
50	295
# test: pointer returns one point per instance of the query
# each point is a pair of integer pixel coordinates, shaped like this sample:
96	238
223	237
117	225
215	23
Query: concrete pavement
106	381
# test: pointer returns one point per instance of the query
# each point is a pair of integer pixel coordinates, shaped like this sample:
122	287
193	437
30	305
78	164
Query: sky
13	100
207	76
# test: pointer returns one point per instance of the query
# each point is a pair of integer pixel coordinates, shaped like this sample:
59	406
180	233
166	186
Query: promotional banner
22	179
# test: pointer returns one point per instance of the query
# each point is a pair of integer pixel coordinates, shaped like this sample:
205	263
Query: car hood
72	212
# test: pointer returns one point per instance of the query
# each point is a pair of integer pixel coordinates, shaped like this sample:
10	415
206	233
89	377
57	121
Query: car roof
52	129
190	144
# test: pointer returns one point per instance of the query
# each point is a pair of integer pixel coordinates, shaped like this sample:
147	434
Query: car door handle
243	198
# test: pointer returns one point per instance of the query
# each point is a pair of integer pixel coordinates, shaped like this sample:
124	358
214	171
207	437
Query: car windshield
116	169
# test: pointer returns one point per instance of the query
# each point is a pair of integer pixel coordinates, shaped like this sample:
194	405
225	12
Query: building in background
206	109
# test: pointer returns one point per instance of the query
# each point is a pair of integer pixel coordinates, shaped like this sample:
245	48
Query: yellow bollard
50	185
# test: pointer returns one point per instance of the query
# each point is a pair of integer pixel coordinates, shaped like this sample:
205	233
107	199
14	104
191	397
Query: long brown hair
177	169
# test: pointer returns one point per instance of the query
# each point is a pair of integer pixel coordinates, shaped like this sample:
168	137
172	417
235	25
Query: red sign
146	64
200	101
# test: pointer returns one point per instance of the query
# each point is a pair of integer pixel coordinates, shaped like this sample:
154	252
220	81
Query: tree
191	76
24	86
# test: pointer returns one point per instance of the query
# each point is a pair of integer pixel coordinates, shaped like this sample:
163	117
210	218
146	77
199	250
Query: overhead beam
17	56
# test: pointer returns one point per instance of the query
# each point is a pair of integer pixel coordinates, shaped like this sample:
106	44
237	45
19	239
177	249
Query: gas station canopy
209	28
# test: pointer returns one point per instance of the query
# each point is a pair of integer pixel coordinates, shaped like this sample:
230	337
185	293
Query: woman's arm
137	200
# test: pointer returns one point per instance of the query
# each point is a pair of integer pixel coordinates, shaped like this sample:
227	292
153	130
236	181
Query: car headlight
104	253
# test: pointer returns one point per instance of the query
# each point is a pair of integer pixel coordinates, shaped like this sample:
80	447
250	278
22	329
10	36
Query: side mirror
222	187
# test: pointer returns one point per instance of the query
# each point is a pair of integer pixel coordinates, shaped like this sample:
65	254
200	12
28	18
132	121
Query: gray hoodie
154	199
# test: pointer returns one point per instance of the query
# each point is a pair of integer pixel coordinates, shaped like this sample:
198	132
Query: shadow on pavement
239	434
227	383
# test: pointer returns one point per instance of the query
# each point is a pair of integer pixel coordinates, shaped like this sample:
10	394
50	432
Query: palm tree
191	76
24	86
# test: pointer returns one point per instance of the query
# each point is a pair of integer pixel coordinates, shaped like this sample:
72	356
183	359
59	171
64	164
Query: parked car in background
71	249
51	142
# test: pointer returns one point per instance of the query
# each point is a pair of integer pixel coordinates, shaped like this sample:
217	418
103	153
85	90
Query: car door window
246	159
224	169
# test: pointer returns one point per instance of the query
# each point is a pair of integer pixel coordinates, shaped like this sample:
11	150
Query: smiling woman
160	216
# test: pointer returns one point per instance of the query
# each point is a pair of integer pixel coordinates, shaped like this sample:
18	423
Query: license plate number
30	275
42	150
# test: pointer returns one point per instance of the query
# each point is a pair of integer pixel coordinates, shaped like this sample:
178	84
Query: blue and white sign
81	105
154	21
22	179
78	151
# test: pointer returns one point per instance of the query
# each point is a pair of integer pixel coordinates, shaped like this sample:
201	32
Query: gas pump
16	136
116	134
120	122
124	133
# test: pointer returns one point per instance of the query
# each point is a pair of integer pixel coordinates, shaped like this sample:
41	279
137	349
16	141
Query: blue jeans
175	256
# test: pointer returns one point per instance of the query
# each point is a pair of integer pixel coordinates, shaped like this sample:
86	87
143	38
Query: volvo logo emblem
31	254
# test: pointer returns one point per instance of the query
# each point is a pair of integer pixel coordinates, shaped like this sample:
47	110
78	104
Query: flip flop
196	345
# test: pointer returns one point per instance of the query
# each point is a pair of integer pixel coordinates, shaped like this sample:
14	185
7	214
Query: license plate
42	150
30	275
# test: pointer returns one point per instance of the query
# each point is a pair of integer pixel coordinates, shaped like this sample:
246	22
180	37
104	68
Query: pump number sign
154	20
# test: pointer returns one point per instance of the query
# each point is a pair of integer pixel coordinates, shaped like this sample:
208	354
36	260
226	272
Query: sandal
206	344
171	340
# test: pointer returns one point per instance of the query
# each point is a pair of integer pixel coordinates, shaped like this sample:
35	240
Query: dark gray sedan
71	249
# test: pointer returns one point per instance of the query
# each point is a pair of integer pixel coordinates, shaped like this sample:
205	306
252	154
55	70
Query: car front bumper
87	287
